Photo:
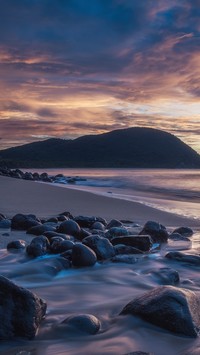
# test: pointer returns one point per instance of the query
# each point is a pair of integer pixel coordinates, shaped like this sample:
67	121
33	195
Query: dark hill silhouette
133	147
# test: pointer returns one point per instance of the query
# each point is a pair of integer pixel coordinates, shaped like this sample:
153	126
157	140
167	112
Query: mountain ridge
134	147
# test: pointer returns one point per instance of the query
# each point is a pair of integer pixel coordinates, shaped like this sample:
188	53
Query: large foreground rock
169	307
21	311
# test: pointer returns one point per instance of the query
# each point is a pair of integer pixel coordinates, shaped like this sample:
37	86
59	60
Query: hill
133	147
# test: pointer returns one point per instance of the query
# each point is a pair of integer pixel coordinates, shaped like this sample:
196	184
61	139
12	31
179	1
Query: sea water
176	191
103	290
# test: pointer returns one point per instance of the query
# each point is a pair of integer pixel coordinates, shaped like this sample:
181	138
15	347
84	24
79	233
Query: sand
46	200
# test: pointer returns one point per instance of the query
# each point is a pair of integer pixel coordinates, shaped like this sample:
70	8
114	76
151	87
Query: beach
101	290
46	200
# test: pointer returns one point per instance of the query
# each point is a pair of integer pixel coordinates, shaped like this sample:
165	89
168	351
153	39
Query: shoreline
46	200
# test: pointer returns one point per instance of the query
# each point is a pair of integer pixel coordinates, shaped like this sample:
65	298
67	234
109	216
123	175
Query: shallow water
176	191
102	290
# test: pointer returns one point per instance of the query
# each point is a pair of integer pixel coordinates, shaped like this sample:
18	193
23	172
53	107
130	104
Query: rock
28	176
24	222
70	227
53	219
126	249
168	307
61	218
178	237
58	247
84	323
87	222
66	214
21	311
98	226
101	246
186	258
40	229
17	244
83	256
141	242
5	223
52	234
128	259
157	232
167	276
39	246
184	231
116	232
114	223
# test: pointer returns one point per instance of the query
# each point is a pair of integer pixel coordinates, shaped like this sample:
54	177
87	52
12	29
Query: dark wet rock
17	244
87	222
83	234
70	227
98	226
2	216
58	247
84	323
66	214
126	249
52	234
114	223
28	176
183	257
178	237
62	218
156	230
36	176
53	219
168	307
5	223
184	231
116	232
5	234
101	246
127	259
21	311
83	255
39	246
167	276
67	255
141	242
24	222
40	229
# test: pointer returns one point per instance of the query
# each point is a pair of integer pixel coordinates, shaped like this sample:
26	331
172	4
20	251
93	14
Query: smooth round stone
98	226
70	227
83	255
5	223
17	244
84	323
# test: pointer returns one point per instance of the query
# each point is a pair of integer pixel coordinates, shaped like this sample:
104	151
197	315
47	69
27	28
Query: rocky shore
44	177
65	242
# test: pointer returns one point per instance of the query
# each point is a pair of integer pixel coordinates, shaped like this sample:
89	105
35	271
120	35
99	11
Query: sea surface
176	191
103	290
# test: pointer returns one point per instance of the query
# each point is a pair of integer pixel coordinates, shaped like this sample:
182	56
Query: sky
74	67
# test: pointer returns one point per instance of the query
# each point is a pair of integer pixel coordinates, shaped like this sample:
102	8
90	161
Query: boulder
126	249
87	222
166	276
141	242
24	222
98	226
5	223
17	244
40	229
178	237
83	256
184	231
39	246
168	307
58	247
21	311
84	323
116	232
101	246
156	230
70	227
114	223
186	258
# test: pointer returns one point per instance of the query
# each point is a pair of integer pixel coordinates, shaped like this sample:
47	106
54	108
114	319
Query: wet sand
45	200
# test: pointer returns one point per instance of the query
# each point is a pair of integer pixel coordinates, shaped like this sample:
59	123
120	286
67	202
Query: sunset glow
76	67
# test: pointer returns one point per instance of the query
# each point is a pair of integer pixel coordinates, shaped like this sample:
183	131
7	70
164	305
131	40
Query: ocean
176	191
104	289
